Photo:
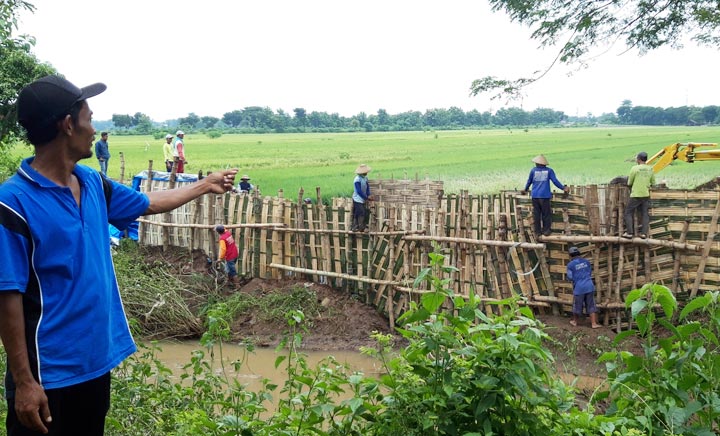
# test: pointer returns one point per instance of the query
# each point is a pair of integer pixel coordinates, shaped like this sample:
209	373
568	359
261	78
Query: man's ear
66	126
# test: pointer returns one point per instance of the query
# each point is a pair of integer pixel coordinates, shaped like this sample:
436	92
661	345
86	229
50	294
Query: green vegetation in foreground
484	161
463	373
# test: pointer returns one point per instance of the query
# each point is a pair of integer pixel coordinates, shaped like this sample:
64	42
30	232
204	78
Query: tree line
256	119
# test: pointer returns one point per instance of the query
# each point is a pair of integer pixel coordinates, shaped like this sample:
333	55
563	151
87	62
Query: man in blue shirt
102	152
62	322
540	178
579	272
361	195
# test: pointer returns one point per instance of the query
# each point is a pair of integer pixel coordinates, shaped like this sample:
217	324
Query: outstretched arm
218	182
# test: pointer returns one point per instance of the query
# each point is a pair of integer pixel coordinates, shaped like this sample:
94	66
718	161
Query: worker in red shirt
227	253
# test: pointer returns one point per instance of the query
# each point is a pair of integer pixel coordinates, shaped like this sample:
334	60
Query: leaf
633	295
637	306
432	301
279	360
666	299
412	317
421	277
526	312
695	304
622	335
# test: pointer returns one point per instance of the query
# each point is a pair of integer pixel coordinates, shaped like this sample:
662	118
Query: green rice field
479	161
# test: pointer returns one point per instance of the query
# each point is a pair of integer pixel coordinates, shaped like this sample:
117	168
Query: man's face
83	133
104	137
168	140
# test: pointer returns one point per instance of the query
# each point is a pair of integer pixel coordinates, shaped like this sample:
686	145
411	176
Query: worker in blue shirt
102	152
62	321
361	195
540	178
579	272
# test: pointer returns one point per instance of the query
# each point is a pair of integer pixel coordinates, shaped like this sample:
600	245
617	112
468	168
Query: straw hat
362	169
245	177
540	159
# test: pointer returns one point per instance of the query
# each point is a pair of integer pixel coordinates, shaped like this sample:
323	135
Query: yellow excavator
684	151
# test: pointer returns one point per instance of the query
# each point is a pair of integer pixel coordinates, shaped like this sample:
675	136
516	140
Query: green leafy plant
672	386
468	373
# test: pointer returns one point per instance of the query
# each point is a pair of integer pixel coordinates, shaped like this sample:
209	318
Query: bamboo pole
619	240
490	242
676	265
348	232
122	168
706	249
334	274
274	226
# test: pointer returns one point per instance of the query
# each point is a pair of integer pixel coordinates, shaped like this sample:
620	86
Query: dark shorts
587	300
75	410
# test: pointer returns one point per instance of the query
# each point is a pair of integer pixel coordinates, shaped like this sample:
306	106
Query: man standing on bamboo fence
361	196
540	178
641	178
62	321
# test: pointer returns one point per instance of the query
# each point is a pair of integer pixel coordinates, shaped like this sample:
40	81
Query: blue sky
168	58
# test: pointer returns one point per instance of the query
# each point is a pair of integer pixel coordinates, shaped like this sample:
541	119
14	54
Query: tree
232	119
191	121
624	112
122	121
579	26
18	67
209	122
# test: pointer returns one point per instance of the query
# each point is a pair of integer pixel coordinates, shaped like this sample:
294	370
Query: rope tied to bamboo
516	272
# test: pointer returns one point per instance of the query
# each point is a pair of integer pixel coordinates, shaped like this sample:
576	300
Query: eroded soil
344	323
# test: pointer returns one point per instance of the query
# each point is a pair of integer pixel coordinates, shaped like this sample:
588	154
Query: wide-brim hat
50	98
540	159
362	169
245	177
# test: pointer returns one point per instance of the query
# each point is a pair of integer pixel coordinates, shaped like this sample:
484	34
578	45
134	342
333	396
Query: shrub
672	386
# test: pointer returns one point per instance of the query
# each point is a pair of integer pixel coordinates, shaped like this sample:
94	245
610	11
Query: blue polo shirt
57	255
579	272
540	178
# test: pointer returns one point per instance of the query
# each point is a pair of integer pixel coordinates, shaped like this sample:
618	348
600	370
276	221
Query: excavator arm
684	151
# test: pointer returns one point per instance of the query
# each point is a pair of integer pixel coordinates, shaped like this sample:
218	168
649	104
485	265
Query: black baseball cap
49	98
642	156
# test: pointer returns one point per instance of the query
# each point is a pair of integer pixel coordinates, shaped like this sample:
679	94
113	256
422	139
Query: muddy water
260	363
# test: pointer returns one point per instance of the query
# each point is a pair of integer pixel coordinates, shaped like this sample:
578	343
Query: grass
482	161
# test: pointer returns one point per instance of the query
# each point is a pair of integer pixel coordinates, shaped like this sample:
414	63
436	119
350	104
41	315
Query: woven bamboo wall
278	237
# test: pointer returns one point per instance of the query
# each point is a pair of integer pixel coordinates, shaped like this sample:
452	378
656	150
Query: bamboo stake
489	242
676	265
619	240
122	168
706	249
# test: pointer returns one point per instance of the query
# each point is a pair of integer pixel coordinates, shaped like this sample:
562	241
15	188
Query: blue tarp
132	230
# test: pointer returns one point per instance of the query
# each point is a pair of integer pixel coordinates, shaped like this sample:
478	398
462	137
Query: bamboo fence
487	238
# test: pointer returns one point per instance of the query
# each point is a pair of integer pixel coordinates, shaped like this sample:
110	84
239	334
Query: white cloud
169	58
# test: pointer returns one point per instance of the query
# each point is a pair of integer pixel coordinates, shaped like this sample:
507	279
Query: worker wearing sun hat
168	152
540	177
361	195
245	185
